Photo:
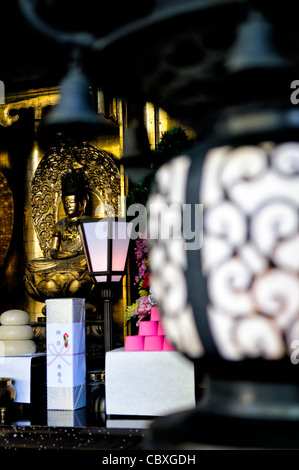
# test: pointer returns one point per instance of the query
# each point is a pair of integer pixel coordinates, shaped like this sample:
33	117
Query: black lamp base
234	415
107	295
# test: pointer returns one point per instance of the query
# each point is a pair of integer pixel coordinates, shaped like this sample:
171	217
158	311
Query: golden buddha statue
64	273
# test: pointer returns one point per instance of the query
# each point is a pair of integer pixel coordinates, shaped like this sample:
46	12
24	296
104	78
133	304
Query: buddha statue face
73	205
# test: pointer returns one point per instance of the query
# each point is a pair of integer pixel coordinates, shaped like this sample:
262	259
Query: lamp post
106	243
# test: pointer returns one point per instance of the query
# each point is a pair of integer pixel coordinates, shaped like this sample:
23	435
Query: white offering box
66	365
148	383
29	375
66	418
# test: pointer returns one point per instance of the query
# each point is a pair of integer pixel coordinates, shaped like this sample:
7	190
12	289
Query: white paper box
148	383
66	365
67	418
19	368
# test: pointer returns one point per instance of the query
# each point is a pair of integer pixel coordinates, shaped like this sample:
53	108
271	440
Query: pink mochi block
148	328
155	314
161	332
134	343
167	346
153	343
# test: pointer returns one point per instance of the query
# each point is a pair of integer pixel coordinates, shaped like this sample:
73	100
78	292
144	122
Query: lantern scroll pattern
168	260
249	259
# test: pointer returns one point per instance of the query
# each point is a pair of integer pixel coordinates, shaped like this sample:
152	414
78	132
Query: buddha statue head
74	193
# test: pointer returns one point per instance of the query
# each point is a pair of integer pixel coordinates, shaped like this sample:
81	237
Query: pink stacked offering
155	314
134	343
151	336
148	328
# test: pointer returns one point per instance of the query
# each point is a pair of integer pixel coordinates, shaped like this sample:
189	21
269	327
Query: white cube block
148	383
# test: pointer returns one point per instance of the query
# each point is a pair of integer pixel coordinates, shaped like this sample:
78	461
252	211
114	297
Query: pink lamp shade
106	242
148	328
97	255
120	245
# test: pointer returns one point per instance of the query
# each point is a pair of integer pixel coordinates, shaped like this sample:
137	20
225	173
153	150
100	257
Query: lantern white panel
121	238
97	244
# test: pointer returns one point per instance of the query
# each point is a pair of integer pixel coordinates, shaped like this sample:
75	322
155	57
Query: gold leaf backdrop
6	217
100	171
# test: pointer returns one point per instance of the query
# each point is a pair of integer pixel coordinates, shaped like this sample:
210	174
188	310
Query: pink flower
143	309
146	281
141	251
144	306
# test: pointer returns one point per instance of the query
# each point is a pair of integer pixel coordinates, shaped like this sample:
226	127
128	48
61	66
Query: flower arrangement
141	307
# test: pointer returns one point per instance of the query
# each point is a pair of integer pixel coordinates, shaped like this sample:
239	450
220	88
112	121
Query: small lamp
106	243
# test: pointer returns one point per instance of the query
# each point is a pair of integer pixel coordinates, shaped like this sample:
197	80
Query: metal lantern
224	231
244	180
